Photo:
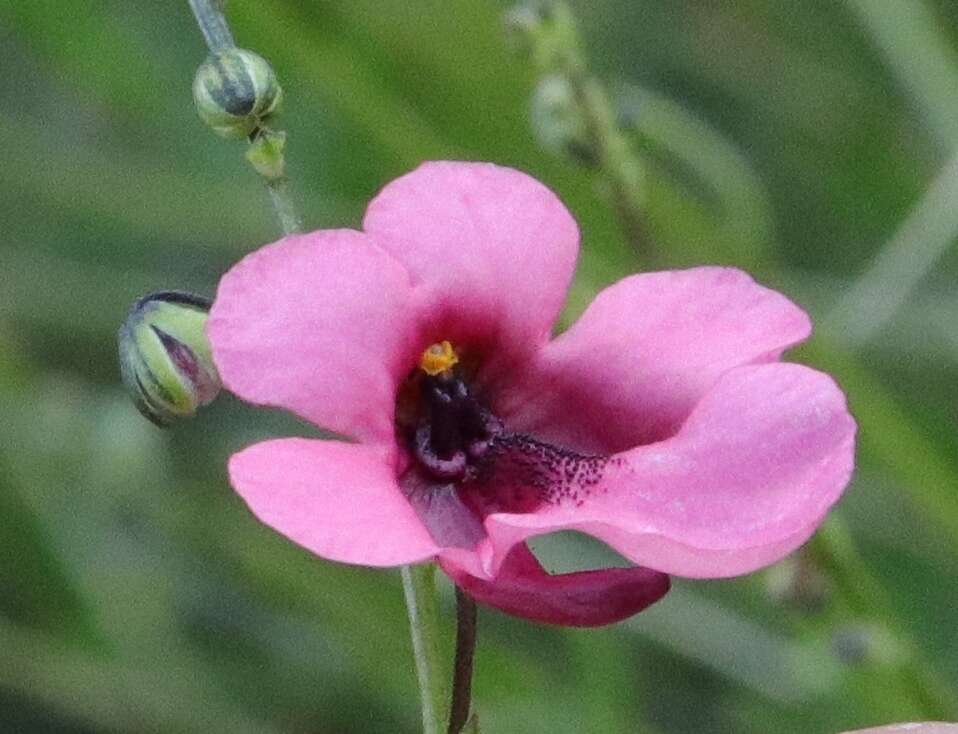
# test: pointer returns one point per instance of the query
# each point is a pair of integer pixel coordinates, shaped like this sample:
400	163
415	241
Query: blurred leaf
695	169
37	590
112	697
926	65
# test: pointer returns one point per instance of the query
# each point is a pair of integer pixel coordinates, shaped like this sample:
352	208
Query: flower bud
798	583
236	92
557	120
523	23
265	154
165	357
545	32
852	645
859	644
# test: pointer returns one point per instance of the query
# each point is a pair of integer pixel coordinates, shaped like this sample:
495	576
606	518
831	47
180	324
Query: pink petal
580	599
644	353
321	324
491	248
338	500
746	480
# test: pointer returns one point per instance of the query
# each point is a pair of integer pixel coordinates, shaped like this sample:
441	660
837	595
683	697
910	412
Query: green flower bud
557	120
165	357
523	23
236	92
545	32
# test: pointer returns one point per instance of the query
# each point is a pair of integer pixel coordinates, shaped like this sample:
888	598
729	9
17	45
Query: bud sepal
165	357
236	92
266	154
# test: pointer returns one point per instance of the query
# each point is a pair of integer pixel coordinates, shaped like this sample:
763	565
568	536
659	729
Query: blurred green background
813	143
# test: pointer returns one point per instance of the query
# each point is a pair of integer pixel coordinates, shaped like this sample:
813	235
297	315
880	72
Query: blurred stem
615	158
557	49
913	38
419	586
900	266
834	549
465	653
266	151
665	127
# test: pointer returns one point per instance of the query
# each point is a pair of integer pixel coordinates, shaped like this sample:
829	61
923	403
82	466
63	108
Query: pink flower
661	423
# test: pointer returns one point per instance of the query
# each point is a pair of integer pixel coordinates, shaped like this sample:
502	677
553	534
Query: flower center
456	441
454	430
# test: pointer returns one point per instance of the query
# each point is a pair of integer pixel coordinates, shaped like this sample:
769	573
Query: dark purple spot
518	473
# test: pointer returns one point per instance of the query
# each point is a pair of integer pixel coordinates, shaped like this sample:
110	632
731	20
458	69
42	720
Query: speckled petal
645	352
745	481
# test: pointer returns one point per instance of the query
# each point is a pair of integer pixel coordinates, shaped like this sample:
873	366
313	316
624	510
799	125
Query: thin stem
283	204
558	50
901	265
216	31
465	653
212	22
919	53
419	586
615	158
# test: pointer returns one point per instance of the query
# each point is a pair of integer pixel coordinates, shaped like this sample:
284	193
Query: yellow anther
438	358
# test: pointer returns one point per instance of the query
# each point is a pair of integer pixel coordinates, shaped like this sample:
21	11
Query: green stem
902	264
616	161
419	586
212	23
919	53
209	17
283	204
558	50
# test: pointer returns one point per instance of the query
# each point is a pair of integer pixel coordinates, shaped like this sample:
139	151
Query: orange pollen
438	358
